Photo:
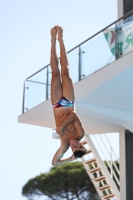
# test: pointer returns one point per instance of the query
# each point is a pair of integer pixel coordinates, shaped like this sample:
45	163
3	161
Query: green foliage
69	181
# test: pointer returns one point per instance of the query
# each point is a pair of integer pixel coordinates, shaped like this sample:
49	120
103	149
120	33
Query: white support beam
122	166
120	8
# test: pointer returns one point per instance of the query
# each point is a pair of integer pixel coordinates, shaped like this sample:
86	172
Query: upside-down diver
68	124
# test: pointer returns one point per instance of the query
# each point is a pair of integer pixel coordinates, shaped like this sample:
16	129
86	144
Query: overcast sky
26	150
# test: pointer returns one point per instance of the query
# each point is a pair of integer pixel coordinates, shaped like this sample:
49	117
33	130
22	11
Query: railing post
116	42
80	63
23	101
47	81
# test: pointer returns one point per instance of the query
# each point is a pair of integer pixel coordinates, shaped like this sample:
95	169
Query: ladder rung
90	161
88	151
94	170
99	178
107	196
84	142
103	187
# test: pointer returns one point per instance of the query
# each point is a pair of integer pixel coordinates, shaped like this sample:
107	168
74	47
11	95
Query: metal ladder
98	177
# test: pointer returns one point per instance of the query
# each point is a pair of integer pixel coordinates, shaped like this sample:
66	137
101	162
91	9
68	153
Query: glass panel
35	94
73	59
40	76
35	90
98	52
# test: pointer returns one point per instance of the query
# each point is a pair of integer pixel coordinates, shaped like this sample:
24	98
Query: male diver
68	124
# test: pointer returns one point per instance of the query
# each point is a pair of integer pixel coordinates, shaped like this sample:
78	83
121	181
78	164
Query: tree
69	181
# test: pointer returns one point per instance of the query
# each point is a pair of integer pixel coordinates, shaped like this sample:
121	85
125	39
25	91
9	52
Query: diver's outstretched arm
59	154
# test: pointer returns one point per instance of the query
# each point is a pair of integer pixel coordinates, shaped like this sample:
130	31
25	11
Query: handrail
109	155
111	146
118	182
123	17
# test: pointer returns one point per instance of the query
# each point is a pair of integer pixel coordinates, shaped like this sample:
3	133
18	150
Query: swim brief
63	102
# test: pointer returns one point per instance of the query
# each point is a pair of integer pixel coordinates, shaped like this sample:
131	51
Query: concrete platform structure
104	100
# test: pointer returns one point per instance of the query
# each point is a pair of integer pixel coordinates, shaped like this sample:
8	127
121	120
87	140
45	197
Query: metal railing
108	155
99	50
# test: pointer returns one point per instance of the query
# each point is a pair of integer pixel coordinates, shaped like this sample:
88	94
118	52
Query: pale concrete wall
120	8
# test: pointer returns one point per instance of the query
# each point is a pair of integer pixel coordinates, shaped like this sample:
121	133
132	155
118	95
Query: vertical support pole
122	166
23	101
80	67
47	81
116	42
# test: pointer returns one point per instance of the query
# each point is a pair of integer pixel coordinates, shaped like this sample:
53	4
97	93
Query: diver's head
77	148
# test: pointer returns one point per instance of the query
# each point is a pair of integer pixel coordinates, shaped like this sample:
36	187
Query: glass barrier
99	51
73	59
96	54
35	90
35	93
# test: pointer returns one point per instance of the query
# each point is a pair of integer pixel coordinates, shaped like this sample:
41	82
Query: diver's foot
53	34
60	33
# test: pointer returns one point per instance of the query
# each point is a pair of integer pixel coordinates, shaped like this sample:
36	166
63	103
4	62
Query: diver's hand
59	130
73	157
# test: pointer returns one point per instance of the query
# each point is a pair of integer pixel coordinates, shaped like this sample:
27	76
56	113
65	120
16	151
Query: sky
26	150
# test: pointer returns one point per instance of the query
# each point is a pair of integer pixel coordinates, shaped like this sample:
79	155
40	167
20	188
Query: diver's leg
67	84
56	89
